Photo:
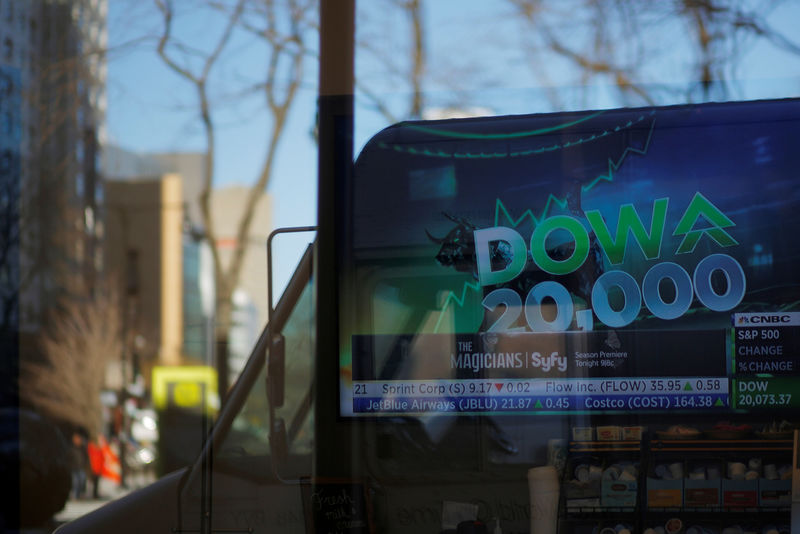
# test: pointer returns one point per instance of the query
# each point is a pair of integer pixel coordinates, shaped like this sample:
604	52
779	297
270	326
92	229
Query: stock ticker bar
540	395
540	373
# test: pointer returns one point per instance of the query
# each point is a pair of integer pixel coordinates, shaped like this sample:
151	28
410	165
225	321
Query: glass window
550	256
554	288
249	434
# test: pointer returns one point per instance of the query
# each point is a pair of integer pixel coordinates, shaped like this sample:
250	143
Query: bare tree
623	43
85	336
284	26
413	10
406	69
410	63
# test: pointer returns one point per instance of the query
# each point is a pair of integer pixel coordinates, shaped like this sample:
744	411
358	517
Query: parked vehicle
34	452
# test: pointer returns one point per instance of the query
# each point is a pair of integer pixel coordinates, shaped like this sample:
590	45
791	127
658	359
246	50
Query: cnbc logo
772	319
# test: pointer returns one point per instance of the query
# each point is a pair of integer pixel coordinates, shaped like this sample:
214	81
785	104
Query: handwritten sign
336	506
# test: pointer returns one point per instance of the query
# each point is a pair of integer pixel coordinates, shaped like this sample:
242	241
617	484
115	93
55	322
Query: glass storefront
566	291
603	297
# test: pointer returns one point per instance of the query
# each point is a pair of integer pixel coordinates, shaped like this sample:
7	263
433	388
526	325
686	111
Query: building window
79	184
99	193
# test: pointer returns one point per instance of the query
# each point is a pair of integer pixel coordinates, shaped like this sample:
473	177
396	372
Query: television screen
630	260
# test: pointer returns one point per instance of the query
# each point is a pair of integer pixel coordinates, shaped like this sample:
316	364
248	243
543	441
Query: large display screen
632	260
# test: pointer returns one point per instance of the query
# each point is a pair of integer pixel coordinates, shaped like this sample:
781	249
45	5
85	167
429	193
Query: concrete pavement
108	491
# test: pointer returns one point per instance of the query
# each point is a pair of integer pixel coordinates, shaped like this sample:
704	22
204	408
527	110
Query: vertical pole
335	108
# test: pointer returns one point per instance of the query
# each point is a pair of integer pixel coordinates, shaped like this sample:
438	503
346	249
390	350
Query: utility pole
335	106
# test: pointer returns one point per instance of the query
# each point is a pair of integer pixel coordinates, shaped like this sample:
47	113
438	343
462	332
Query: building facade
144	255
55	50
227	203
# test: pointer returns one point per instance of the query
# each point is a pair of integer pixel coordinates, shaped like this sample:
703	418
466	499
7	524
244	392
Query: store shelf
605	446
598	513
587	510
717	445
645	453
720	510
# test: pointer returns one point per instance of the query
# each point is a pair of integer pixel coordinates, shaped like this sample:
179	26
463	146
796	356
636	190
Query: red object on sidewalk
95	458
104	461
112	469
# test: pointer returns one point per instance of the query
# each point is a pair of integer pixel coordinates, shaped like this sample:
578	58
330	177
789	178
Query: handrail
272	235
239	392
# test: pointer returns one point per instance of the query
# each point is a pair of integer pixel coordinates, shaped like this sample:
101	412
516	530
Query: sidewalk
108	491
